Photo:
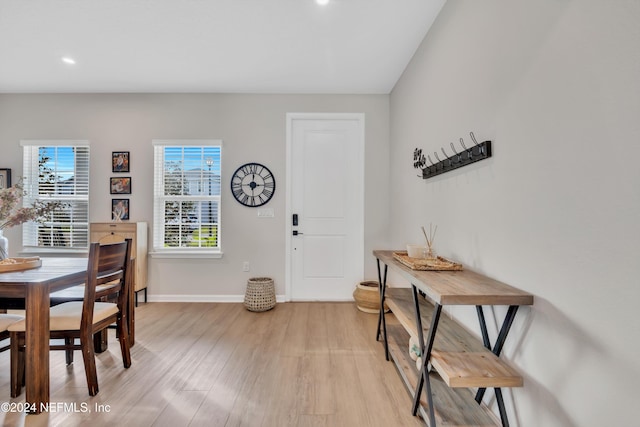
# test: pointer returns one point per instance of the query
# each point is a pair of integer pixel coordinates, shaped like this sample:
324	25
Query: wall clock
253	184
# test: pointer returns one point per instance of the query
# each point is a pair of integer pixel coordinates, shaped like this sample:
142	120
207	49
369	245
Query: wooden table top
58	273
464	287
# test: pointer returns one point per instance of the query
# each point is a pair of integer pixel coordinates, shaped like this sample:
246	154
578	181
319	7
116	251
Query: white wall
253	129
555	84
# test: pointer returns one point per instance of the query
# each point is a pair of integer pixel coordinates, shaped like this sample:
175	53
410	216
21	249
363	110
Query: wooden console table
454	360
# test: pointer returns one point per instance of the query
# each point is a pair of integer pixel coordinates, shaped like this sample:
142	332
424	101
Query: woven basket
260	295
367	297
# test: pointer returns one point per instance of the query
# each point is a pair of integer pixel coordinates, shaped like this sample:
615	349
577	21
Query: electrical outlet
245	266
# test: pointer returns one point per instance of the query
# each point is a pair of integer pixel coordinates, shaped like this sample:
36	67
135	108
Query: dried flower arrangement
12	214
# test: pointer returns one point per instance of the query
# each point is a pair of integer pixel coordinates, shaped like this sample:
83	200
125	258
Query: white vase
4	246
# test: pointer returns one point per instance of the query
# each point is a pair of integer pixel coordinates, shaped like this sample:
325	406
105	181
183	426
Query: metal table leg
497	349
426	356
382	286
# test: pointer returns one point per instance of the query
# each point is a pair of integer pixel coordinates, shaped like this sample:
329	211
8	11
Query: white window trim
183	253
52	252
56	142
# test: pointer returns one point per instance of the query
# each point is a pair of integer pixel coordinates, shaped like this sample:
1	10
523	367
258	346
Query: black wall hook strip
470	155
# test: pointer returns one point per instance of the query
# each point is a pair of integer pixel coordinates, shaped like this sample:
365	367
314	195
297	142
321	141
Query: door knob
296	233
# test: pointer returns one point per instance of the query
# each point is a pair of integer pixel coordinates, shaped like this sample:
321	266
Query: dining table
34	286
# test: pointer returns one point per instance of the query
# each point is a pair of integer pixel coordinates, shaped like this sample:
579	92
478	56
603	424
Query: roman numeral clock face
253	184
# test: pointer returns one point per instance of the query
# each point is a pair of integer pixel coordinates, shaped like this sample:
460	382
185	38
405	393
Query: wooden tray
438	264
18	264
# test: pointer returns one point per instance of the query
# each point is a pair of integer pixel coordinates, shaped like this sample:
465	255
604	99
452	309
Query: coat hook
429	157
446	157
457	155
473	138
476	142
436	154
462	142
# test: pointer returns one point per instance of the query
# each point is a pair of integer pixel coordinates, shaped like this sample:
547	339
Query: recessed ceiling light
322	2
68	60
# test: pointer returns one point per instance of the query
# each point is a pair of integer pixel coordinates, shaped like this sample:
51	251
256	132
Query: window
187	197
57	170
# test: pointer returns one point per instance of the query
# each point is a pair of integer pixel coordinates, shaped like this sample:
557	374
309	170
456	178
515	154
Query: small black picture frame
120	161
5	178
120	209
119	185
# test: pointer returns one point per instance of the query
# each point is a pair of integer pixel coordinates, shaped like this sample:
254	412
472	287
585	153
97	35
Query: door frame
290	117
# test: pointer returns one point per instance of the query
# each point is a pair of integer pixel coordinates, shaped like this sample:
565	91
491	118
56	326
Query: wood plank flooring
201	364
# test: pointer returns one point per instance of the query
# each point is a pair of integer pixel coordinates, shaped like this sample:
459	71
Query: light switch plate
265	213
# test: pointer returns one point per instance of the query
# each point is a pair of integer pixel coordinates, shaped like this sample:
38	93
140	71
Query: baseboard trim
204	298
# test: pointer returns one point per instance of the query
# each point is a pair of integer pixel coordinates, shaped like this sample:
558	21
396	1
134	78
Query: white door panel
323	186
323	257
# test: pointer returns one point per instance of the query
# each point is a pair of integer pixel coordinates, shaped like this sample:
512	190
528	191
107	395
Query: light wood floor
198	364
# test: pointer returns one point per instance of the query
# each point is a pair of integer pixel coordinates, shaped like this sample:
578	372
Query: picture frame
119	185
120	161
5	178
120	209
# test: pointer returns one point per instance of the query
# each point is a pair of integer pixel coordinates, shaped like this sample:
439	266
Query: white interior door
326	191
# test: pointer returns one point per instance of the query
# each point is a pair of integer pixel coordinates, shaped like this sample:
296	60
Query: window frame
31	171
158	250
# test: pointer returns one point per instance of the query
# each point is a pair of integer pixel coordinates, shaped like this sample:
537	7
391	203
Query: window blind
57	170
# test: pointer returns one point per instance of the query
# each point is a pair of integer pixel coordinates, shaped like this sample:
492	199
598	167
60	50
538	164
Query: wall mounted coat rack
475	153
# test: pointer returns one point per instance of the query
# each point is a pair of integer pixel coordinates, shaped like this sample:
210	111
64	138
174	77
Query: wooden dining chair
107	264
104	293
7	320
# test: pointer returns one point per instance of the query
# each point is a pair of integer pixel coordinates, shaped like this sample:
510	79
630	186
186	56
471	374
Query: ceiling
227	46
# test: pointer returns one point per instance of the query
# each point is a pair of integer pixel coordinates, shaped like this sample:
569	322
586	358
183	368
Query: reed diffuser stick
425	235
429	239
